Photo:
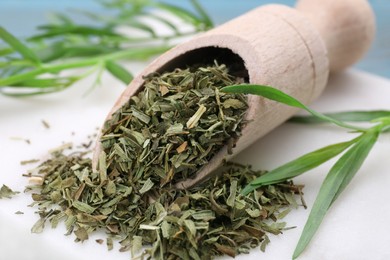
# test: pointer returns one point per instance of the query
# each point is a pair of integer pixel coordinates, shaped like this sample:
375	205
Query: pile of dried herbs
174	126
164	134
206	221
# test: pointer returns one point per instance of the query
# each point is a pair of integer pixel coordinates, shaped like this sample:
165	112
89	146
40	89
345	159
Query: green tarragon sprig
35	66
354	151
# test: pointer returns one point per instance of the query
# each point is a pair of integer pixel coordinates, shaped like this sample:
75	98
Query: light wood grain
347	27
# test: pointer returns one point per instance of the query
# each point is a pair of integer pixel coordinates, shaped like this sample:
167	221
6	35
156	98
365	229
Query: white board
355	228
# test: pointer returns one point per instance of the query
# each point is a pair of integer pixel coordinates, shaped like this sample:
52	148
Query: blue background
21	16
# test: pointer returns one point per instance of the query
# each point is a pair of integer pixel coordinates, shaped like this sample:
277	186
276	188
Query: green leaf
6	51
64	45
119	72
350	116
43	91
45	82
384	124
335	182
51	52
134	53
58	18
205	17
91	15
182	13
61	30
281	97
140	26
59	51
18	46
300	165
368	141
164	21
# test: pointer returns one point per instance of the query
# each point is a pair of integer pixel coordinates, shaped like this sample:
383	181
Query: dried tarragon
163	134
7	192
174	126
200	223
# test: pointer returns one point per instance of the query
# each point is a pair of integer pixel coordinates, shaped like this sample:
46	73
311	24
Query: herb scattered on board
206	221
6	192
16	138
173	127
25	162
45	124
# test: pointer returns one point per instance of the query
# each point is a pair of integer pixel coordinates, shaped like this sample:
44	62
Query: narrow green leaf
60	51
16	65
88	50
134	53
205	17
53	51
141	26
384	124
264	91
59	18
10	68
42	91
119	72
63	44
3	64
142	53
369	142
164	21
91	15
45	82
300	165
281	97
386	129
182	13
350	116
6	51
61	30
17	45
335	182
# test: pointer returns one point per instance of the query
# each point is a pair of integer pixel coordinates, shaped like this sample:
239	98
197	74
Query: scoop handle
347	28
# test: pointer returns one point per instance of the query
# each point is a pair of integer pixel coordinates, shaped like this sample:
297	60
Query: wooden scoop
291	49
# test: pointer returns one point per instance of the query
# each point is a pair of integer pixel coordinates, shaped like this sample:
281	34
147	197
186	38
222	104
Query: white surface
355	228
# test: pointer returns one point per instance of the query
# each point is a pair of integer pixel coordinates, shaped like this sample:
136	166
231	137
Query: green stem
55	68
385	125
